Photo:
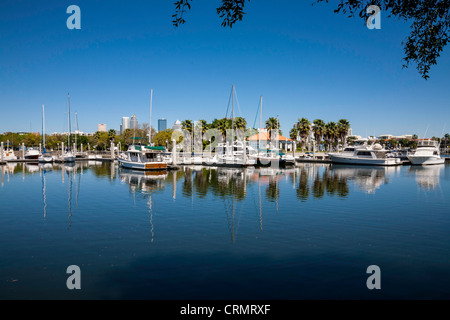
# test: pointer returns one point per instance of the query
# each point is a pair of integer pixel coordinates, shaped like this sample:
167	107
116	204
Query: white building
101	127
125	124
134	122
177	126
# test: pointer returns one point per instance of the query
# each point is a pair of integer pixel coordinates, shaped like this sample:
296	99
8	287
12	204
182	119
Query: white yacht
9	155
32	154
373	155
143	158
232	155
427	152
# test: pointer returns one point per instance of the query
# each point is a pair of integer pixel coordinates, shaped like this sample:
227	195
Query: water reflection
145	183
368	179
310	181
427	177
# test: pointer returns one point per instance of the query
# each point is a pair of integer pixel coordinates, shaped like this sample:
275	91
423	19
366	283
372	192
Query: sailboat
67	156
44	157
264	156
234	154
144	157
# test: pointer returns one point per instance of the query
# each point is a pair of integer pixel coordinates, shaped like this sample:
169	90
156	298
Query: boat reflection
145	182
427	177
368	179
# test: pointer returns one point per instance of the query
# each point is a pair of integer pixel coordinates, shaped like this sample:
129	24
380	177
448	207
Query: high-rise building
134	122
162	124
125	124
101	127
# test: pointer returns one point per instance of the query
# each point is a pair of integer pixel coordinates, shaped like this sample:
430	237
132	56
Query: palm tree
203	124
303	127
343	128
240	124
272	124
318	129
187	125
222	125
293	133
331	133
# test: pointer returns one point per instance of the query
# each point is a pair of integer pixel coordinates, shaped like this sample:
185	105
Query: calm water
308	232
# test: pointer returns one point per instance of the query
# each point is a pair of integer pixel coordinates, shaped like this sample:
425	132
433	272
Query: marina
170	234
213	157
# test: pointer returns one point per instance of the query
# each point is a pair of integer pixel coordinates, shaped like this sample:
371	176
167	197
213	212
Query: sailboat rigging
44	157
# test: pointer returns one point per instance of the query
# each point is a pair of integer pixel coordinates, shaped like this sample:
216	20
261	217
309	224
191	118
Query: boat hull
362	161
143	166
425	160
45	159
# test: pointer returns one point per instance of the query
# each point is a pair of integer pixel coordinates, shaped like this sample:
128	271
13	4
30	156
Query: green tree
447	140
318	129
240	123
272	124
331	133
222	125
230	11
187	125
404	142
293	134
351	140
436	139
100	140
303	127
31	140
163	138
112	134
392	142
429	23
343	128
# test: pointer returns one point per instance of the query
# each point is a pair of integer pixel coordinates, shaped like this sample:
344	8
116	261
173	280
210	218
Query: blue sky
305	60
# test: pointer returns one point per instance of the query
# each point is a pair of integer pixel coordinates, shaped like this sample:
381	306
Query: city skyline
306	61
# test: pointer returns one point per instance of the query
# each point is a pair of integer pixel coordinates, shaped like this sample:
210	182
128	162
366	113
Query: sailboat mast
76	135
68	121
260	113
232	116
150	125
260	124
43	127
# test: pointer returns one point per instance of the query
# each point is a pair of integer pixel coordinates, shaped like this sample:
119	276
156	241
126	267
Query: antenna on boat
426	132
